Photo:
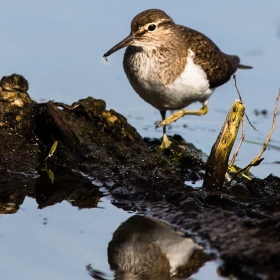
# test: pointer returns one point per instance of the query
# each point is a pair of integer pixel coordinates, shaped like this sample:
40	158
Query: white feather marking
191	86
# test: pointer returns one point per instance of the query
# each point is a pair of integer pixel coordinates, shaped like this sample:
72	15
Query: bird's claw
160	124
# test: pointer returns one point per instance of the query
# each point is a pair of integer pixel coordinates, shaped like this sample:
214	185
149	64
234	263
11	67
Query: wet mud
98	148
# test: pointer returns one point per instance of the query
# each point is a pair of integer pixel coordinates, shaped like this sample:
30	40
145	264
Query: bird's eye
152	27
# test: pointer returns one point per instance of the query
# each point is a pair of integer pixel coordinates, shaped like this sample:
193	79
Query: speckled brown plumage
171	66
218	66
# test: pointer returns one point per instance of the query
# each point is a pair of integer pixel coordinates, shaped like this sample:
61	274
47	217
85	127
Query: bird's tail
235	62
241	66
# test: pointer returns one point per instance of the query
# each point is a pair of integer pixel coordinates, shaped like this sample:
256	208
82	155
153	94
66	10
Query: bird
171	66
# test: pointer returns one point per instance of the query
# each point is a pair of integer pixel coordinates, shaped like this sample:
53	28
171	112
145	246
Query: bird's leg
177	115
165	141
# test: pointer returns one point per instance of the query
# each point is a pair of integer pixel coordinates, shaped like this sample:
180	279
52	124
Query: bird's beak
124	43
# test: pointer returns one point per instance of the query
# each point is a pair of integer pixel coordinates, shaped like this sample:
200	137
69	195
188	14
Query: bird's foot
172	118
177	115
165	142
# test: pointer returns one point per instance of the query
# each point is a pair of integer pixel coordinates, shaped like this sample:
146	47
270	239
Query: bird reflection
145	248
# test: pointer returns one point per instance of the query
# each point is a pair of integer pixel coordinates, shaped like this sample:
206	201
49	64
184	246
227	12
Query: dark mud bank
97	148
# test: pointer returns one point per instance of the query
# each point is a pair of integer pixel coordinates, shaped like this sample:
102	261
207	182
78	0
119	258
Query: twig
268	136
235	84
243	127
251	123
67	107
241	171
258	158
239	144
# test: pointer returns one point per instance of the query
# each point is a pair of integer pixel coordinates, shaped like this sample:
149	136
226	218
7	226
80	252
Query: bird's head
149	30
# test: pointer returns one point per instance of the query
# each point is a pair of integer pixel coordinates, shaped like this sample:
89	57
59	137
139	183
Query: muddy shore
98	148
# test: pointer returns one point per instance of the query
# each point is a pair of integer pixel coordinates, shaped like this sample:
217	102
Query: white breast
191	86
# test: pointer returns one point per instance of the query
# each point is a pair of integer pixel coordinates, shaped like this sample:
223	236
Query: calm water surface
58	46
58	242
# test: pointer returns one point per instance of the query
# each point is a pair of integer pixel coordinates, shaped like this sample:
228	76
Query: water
58	46
58	242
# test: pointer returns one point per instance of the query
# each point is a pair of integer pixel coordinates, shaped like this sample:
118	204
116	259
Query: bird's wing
218	66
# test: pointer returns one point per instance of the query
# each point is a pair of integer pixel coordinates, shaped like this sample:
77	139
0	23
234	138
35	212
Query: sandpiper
172	66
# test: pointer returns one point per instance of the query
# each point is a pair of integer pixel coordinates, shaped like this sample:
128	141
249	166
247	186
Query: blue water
58	47
58	242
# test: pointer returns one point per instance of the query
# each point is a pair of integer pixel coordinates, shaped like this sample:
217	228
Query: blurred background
58	47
